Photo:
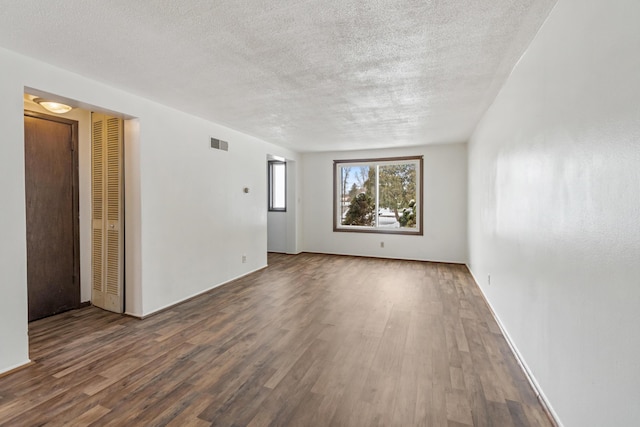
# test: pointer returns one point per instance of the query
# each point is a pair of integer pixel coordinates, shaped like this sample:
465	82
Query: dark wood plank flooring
313	340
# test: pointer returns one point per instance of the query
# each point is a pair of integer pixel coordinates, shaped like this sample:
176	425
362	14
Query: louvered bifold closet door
97	208
107	241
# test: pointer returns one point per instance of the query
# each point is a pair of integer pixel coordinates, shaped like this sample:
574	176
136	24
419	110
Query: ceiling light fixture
53	106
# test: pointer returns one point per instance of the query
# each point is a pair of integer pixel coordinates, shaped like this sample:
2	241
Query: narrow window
277	186
378	195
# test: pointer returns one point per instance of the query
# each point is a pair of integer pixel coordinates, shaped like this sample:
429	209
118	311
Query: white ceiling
308	75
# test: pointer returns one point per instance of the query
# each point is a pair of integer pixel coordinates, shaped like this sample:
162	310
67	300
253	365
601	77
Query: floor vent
219	144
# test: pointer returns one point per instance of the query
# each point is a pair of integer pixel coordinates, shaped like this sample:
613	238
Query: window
378	195
277	186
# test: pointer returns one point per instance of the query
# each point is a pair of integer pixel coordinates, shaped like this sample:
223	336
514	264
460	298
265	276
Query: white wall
445	207
13	271
132	219
294	208
188	220
554	202
277	232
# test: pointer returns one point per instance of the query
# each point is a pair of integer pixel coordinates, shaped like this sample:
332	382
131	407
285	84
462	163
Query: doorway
52	214
282	222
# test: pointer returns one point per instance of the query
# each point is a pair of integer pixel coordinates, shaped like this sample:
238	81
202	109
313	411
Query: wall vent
219	144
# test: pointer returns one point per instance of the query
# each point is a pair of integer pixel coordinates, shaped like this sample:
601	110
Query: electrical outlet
382	244
244	259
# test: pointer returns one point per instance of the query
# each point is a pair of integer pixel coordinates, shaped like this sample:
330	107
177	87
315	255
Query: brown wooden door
51	191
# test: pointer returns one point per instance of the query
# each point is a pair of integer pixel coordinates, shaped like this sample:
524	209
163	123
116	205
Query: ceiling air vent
219	144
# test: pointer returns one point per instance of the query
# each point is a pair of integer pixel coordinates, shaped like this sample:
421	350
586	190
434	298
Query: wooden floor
313	340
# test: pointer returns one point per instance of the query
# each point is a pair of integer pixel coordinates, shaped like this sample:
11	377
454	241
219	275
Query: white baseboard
527	372
197	294
9	369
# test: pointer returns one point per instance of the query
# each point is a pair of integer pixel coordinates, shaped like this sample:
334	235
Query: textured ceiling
308	75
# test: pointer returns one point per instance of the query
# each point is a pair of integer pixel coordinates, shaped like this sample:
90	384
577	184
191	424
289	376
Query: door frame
75	192
290	216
